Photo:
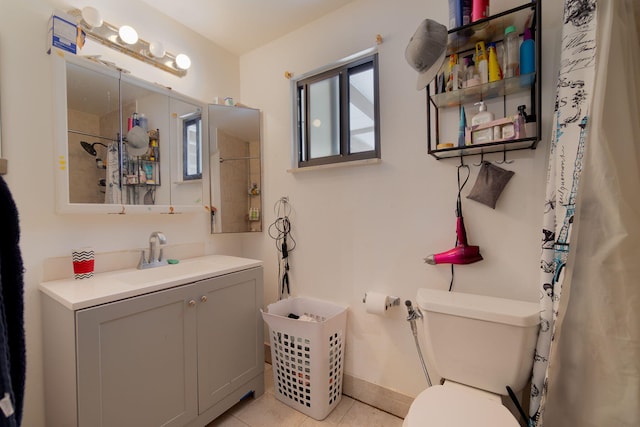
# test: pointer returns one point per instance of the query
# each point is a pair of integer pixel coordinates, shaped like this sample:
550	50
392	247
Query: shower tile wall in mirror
236	192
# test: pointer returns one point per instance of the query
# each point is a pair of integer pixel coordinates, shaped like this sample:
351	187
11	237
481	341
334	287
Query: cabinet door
137	361
230	334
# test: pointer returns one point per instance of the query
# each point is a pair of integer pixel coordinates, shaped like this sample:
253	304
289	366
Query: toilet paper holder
390	302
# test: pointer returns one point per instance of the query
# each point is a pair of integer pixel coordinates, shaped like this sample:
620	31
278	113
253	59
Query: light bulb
156	50
128	34
183	61
91	17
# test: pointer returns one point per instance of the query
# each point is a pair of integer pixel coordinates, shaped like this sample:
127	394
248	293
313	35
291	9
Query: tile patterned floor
267	411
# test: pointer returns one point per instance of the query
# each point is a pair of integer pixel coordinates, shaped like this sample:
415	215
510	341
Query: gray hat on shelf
137	141
426	51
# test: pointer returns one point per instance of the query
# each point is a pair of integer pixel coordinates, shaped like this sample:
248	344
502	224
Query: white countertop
115	285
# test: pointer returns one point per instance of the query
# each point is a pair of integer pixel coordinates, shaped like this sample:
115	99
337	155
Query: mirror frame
61	153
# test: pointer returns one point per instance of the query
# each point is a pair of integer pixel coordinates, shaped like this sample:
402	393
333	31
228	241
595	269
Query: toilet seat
454	405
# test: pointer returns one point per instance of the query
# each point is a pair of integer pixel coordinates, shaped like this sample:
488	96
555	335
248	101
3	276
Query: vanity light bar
107	34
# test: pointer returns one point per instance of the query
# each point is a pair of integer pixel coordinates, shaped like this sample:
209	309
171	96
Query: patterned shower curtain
113	191
570	126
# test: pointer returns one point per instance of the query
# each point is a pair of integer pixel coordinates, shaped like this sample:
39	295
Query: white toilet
479	345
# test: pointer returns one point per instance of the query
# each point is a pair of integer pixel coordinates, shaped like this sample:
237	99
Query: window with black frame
192	148
338	114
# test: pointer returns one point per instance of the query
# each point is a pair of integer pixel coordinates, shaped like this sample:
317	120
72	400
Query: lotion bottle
484	135
483	115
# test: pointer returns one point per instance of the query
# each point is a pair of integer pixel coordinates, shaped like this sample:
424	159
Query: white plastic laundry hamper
307	355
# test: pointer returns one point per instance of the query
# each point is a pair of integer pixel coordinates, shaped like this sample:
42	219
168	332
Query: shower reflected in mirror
90	148
236	170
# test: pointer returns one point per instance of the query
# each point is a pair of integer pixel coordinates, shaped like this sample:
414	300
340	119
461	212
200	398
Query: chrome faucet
156	241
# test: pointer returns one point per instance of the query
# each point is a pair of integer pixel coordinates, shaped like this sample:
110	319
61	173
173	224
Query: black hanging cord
280	231
461	185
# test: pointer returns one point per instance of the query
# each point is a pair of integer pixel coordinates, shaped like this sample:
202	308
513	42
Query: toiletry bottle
455	13
462	127
449	76
497	133
467	8
471	77
481	61
509	130
483	116
519	122
495	73
479	10
143	122
511	57
527	58
455	80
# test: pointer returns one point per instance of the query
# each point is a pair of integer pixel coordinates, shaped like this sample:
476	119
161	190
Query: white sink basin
164	273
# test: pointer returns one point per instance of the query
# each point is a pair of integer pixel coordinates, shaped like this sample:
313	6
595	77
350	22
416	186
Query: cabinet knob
192	303
203	298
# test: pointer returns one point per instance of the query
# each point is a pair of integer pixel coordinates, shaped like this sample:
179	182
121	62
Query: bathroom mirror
121	142
188	126
236	171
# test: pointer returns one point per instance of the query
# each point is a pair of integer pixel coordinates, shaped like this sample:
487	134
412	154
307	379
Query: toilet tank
481	341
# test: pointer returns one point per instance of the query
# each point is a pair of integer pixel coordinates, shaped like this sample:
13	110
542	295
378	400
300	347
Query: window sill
364	162
188	181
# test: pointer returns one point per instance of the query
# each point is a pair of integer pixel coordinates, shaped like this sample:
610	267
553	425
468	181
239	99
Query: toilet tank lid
482	307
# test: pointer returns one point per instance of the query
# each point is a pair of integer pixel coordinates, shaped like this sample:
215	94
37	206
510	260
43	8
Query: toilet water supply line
411	318
280	231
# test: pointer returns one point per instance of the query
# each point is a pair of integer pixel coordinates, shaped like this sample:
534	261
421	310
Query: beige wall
27	105
369	227
357	228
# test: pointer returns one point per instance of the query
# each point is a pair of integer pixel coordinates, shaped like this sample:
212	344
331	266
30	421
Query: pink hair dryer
461	254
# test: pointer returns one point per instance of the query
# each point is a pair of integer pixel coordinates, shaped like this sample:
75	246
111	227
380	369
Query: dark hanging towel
12	342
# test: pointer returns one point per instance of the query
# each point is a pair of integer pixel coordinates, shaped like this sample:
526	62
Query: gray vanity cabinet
137	361
175	357
229	336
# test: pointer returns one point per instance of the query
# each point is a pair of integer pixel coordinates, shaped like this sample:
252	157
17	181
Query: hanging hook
481	159
461	160
504	158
